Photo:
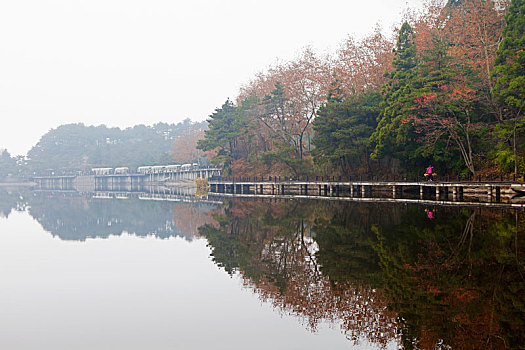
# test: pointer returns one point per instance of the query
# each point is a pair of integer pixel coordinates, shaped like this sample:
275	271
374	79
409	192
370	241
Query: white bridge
122	179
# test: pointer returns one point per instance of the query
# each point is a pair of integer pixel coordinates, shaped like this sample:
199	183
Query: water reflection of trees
458	280
11	199
76	217
384	272
276	250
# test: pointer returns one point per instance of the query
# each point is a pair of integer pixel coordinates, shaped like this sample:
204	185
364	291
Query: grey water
81	272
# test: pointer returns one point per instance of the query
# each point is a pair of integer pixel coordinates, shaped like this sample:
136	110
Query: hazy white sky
127	62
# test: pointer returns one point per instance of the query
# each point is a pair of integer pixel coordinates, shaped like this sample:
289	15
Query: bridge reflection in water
114	187
187	194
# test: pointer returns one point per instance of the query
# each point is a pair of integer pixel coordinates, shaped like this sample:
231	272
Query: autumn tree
473	32
445	104
360	65
184	147
289	96
308	83
468	32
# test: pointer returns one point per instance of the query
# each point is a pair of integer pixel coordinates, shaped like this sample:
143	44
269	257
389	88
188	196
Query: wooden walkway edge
481	192
441	203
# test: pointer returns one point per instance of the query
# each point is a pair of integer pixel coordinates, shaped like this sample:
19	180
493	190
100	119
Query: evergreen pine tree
509	69
391	135
226	125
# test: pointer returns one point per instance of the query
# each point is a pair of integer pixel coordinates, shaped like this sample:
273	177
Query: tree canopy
441	93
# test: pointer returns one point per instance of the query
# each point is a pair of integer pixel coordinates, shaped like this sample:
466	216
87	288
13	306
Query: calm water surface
88	273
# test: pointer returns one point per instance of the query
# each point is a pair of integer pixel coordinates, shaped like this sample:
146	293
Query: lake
132	272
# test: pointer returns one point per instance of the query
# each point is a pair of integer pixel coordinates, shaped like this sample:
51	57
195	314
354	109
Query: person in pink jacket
429	172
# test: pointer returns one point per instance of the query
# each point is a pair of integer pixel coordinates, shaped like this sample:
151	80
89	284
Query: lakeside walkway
453	191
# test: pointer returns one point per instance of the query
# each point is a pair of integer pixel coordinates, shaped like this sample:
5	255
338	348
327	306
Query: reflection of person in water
430	214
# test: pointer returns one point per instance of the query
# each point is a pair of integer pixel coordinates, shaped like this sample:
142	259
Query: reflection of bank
452	280
304	259
75	216
383	270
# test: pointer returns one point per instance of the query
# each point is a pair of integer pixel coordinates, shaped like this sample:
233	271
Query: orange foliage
305	81
360	65
184	148
472	30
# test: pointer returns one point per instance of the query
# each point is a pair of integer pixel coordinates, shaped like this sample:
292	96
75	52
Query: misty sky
127	62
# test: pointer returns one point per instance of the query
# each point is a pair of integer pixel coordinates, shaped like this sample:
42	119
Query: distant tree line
77	147
8	165
448	89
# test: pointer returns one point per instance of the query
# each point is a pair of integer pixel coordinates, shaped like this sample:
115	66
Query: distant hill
79	147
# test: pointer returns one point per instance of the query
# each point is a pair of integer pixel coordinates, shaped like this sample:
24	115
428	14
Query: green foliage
226	127
392	135
509	70
446	112
504	160
345	246
276	107
285	154
509	66
452	3
343	130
